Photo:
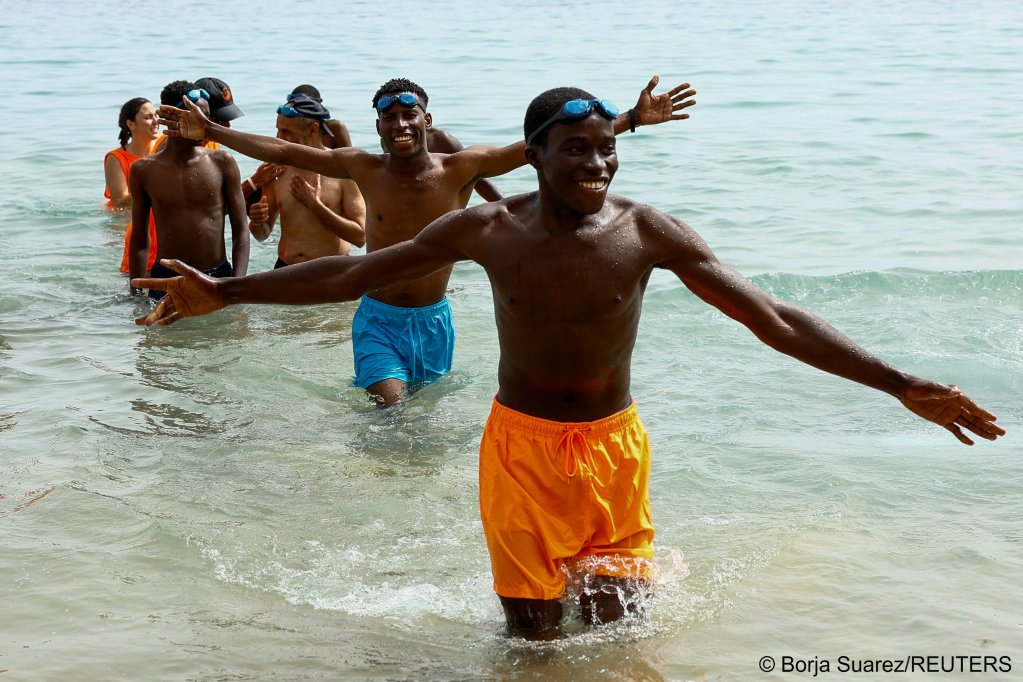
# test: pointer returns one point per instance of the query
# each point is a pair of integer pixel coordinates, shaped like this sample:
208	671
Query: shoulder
144	165
442	141
220	156
646	217
112	159
223	159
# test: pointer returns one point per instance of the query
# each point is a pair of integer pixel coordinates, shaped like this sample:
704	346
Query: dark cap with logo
222	105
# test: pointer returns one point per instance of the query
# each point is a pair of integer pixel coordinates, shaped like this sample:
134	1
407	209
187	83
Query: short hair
309	91
545	105
129	110
174	92
401	85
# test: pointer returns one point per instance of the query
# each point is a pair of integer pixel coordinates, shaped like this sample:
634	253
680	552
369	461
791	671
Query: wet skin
568	266
190	190
407	187
320	216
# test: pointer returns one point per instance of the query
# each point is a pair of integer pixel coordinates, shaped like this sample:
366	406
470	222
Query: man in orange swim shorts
561	495
564	461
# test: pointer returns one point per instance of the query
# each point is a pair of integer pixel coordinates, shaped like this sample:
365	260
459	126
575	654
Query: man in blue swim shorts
405	189
407	346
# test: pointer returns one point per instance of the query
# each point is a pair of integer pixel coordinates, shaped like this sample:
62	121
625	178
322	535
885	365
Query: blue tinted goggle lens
196	95
575	109
288	111
405	99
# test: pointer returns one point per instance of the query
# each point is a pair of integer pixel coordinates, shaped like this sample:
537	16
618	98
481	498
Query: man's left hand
949	407
651	109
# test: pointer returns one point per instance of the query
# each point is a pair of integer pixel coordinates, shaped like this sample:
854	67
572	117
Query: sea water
215	501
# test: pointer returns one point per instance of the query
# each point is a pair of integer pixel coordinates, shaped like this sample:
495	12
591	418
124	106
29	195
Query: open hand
189	295
651	108
189	122
947	406
307	194
265	174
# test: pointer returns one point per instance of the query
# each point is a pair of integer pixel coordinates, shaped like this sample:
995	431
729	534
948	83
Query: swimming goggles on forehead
197	94
289	111
405	99
577	109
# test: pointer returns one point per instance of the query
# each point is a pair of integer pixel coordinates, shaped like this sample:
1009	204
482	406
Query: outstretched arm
444	142
650	109
322	280
797	332
193	124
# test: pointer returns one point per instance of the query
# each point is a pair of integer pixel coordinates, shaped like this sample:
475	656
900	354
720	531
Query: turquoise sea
213	501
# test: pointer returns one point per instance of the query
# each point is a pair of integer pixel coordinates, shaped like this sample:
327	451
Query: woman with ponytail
138	130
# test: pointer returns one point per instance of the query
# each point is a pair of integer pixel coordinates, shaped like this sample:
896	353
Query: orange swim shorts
554	493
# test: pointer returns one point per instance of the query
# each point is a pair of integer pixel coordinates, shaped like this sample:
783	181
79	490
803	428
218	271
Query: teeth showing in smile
593	184
402	138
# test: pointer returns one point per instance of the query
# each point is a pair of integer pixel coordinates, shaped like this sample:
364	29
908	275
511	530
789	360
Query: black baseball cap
222	106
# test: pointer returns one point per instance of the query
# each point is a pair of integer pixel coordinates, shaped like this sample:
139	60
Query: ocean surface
214	501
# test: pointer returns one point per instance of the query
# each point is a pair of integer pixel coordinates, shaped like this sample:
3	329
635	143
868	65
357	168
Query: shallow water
214	501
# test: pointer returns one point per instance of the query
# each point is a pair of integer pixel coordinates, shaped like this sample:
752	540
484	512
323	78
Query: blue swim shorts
414	345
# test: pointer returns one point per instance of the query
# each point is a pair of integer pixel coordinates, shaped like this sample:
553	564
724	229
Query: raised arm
322	280
797	332
263	214
444	142
650	109
191	123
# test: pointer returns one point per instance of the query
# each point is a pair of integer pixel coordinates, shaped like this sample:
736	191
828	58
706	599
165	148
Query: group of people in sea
564	458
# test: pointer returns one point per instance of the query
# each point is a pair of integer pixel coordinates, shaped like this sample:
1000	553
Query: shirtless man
437	140
189	189
564	462
402	332
320	216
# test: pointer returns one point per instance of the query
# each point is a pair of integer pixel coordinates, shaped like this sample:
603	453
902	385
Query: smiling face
297	129
577	163
145	125
402	129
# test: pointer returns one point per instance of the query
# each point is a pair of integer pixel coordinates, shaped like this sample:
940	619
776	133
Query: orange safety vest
126	159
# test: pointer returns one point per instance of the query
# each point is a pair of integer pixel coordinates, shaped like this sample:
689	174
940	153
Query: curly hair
173	92
401	85
545	105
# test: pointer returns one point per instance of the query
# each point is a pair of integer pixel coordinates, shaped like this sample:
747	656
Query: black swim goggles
577	109
405	99
197	94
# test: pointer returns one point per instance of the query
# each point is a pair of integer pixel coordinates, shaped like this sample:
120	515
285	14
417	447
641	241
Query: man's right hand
265	174
259	212
189	122
190	295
